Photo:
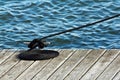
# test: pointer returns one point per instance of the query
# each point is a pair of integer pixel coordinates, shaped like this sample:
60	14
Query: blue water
25	20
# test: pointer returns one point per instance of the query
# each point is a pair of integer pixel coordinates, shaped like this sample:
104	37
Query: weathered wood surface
71	64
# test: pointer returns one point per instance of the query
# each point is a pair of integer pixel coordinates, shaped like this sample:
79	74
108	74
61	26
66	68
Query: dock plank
34	69
81	68
111	69
17	70
100	65
117	76
71	64
8	64
54	65
2	55
5	54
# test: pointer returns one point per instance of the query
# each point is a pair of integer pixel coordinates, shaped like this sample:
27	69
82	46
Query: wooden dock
83	64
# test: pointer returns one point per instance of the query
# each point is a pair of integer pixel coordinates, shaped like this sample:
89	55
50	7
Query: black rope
40	42
89	24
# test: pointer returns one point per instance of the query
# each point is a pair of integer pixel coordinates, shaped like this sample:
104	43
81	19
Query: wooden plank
5	54
117	76
8	64
111	69
2	55
33	70
100	65
83	66
52	65
29	73
69	65
17	70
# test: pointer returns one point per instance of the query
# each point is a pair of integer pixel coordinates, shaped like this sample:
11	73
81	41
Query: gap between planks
11	68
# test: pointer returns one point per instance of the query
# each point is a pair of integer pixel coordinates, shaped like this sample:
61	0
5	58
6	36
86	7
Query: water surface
26	20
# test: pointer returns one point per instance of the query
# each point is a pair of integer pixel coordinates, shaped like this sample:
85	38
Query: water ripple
26	20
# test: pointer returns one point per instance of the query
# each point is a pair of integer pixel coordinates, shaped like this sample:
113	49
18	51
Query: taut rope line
76	28
40	41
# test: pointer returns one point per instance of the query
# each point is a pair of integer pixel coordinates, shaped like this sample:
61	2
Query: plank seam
8	56
118	53
24	70
42	68
61	63
3	54
103	52
30	66
77	63
115	74
11	67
